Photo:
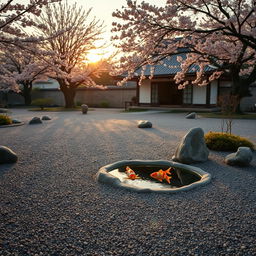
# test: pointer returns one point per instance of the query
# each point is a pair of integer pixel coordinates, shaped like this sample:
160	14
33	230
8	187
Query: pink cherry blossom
219	34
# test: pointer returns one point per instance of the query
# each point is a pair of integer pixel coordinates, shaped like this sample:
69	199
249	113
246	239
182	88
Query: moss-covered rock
5	120
226	142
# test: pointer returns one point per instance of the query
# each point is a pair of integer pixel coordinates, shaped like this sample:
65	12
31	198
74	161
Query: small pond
183	177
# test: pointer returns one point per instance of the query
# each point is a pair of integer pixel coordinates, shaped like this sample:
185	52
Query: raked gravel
52	205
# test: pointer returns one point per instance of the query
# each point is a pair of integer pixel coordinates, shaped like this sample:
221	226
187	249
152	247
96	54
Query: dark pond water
180	177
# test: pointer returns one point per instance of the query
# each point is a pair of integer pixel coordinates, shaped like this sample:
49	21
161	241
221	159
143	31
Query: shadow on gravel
4	168
234	178
159	133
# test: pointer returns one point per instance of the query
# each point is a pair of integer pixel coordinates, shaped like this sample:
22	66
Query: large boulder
35	120
242	157
7	156
84	108
144	124
192	148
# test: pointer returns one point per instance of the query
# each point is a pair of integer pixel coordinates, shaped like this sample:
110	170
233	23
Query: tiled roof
169	66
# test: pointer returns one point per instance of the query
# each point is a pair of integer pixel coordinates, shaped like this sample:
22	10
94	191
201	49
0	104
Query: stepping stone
191	115
46	118
144	124
84	108
35	120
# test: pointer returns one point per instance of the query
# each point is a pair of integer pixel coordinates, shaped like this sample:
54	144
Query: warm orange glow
102	53
95	55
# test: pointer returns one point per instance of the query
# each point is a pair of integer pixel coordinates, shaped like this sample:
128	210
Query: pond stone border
104	176
11	125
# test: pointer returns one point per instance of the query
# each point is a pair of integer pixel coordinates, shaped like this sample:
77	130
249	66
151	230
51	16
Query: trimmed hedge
42	102
226	142
5	120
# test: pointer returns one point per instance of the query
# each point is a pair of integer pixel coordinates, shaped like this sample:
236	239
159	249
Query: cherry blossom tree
68	62
216	33
16	17
19	69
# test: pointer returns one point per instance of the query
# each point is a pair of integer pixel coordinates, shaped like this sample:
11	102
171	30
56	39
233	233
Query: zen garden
128	127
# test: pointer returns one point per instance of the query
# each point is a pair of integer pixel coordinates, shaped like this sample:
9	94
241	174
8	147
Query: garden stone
35	120
191	115
15	121
242	157
192	148
46	118
144	124
7	155
3	110
84	108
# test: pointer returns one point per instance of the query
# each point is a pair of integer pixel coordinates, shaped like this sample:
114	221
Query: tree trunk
238	87
69	95
26	93
69	92
27	98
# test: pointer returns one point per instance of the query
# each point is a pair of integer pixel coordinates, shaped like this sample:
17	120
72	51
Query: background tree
15	18
68	61
16	26
219	33
20	69
228	105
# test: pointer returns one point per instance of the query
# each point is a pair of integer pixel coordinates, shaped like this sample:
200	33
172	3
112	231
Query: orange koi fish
131	174
162	175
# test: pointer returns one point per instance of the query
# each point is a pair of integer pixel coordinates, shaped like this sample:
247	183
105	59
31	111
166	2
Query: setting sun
95	55
102	52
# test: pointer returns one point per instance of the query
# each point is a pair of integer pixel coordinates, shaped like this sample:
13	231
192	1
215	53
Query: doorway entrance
166	93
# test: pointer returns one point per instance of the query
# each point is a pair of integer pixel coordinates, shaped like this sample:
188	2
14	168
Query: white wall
47	84
145	91
199	94
214	92
114	97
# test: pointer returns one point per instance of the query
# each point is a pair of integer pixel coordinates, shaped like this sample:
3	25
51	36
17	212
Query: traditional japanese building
162	91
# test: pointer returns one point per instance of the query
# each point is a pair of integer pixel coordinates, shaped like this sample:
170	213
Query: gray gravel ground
52	205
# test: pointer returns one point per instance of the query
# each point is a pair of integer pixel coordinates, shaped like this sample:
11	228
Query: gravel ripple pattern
52	205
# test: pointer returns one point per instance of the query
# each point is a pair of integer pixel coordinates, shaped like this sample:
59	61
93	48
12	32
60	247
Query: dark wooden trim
203	105
189	76
178	106
192	94
138	93
151	101
218	90
151	93
208	94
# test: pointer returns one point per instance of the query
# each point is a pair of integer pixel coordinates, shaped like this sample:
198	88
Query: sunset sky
103	10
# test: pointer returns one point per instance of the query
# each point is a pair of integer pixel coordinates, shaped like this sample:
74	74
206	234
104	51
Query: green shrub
226	142
42	102
79	103
5	120
104	104
36	89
